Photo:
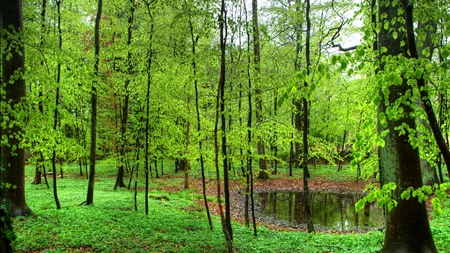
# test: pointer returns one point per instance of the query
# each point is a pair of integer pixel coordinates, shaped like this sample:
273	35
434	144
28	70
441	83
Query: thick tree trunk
407	226
14	86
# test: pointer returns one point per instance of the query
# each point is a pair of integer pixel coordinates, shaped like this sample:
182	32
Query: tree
7	235
305	113
125	109
13	83
220	103
258	96
90	193
407	226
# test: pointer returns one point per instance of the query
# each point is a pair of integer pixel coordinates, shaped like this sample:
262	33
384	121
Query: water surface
329	210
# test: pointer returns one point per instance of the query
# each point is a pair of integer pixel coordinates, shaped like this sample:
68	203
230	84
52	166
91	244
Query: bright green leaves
426	52
383	196
418	73
423	193
397	80
382	119
445	51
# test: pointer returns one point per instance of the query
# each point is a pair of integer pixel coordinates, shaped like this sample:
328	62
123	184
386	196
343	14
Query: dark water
329	210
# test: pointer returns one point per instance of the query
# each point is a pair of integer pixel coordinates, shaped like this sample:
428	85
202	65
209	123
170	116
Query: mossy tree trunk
407	226
13	83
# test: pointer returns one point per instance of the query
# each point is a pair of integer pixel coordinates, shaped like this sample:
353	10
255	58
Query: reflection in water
330	210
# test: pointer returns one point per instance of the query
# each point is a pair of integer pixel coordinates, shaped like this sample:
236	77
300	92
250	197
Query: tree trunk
407	226
124	119
220	103
297	114
14	86
258	96
7	235
188	133
309	221
194	41
38	172
147	103
56	113
90	193
249	172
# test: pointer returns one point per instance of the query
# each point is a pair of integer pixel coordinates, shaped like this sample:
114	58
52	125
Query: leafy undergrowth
176	222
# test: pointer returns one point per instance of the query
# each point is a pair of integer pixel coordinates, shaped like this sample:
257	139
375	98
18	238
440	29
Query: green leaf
391	205
406	194
377	100
321	68
360	204
426	52
398	80
344	63
333	59
418	73
445	52
395	35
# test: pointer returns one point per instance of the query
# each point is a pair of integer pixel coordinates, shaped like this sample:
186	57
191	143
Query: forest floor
278	183
176	220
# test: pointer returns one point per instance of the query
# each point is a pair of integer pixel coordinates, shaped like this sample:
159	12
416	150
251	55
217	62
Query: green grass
174	225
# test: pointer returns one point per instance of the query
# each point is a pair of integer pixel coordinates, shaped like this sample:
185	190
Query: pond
329	210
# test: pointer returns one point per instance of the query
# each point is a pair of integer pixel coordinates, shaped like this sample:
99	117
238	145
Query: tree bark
407	226
147	102
124	119
258	96
309	221
426	102
56	112
14	86
220	105
194	40
90	193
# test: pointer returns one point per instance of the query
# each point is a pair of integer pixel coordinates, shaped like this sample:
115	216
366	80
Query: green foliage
7	234
383	196
176	224
437	192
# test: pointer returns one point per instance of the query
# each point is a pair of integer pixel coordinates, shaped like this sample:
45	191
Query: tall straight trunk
249	174
194	41
56	115
38	172
13	62
147	101
297	114
188	138
90	193
291	147
426	102
124	119
305	101
407	225
342	153
275	136
220	103
138	143
258	95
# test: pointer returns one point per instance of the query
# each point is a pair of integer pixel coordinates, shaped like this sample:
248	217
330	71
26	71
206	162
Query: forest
167	126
